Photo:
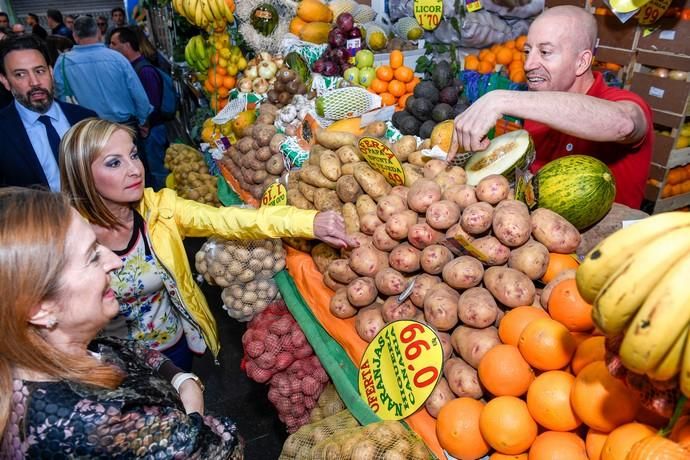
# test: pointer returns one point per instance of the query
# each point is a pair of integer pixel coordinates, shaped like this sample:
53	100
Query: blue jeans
154	150
180	354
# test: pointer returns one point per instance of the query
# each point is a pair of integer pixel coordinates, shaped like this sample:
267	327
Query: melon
505	153
578	187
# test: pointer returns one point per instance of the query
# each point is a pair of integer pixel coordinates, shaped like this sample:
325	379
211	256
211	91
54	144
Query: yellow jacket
170	219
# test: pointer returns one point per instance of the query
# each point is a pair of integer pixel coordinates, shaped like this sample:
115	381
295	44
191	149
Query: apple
366	76
364	58
352	75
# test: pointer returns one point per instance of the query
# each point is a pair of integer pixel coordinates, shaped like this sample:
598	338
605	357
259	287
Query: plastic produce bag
300	444
479	30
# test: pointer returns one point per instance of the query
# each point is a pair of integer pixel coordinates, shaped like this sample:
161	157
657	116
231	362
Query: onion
660	72
678	75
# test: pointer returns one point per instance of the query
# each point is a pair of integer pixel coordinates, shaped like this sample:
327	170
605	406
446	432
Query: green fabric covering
226	194
332	356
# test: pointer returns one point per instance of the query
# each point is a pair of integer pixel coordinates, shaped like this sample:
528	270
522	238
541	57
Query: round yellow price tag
382	159
400	369
428	13
652	11
275	195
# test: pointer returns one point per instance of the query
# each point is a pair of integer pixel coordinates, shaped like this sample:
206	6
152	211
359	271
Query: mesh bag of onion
299	445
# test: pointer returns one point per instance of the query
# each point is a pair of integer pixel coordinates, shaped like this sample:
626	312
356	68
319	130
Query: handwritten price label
382	159
400	369
275	195
428	13
652	11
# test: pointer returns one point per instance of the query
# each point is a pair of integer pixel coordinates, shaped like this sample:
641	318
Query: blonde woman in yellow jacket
160	303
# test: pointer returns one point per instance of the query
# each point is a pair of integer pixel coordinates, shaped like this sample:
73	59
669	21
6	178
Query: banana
226	11
215	9
672	362
660	321
188	52
625	291
206	8
607	256
190	9
684	377
200	48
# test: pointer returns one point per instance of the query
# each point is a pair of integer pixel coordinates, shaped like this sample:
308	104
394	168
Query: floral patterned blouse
142	418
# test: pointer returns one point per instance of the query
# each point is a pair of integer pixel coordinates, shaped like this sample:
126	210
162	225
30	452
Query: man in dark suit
33	124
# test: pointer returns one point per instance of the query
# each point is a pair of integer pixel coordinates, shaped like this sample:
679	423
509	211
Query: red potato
433	168
511	223
463	272
477	308
367	260
462	379
369	322
462	194
493	189
443	214
532	259
398	226
390	282
339	270
389	206
331	283
438	398
362	292
369	222
476	218
422	284
422	235
445	179
495	252
340	307
401	191
554	232
447	346
382	240
422	194
441	307
509	286
472	344
434	258
405	258
546	292
362	241
393	310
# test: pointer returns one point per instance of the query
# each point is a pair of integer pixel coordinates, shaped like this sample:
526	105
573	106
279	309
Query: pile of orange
677	181
508	54
394	82
218	84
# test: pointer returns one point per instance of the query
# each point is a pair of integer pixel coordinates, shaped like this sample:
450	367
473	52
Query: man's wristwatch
184	376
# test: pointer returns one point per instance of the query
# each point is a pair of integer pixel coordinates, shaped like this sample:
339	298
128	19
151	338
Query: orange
504	56
513	323
483	53
621	440
594	443
509	44
555	445
457	428
507	426
222	71
229	82
404	74
209	87
495	48
378	86
567	307
548	401
518	76
214	79
681	432
402	100
388	99
489	57
520	42
223	92
396	59
504	372
602	401
485	67
384	73
499	456
409	87
215	58
580	337
546	344
471	62
396	88
558	263
519	57
588	351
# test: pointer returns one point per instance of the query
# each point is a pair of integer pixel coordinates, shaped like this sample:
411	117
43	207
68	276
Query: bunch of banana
205	13
197	54
638	280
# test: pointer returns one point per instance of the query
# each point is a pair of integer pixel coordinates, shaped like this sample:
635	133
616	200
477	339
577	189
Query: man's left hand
329	227
472	125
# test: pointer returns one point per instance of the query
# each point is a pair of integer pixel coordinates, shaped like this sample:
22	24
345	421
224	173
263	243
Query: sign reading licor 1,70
428	13
400	368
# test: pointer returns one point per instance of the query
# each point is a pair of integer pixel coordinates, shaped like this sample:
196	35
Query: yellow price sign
428	13
382	159
275	195
652	11
400	369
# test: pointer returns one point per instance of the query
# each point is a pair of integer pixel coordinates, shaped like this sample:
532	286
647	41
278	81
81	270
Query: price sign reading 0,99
652	11
400	369
382	159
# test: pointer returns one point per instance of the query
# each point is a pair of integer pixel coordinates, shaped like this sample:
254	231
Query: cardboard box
615	55
661	93
671	35
652	193
615	34
552	3
663	59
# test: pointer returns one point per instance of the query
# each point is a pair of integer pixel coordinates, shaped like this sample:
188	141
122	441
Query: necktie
53	137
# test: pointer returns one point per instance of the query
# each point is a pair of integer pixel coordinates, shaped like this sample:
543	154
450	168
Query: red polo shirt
629	163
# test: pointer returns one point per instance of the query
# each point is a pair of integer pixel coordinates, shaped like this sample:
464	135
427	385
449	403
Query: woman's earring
52	322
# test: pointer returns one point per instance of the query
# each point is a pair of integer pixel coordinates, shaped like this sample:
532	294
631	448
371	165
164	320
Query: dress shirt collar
29	117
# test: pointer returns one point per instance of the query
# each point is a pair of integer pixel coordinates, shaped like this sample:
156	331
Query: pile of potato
243	301
192	178
255	159
402	239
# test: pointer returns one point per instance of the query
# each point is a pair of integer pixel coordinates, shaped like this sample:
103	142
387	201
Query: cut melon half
505	153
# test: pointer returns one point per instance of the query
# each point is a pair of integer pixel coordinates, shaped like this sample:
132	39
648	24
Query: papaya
315	32
314	11
442	134
296	25
349	125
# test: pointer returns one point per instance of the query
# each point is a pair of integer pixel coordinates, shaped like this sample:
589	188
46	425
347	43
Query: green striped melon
505	153
578	187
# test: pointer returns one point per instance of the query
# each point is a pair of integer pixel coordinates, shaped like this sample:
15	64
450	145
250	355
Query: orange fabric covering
246	197
309	281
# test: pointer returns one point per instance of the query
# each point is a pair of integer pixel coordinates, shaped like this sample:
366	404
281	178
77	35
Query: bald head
580	25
